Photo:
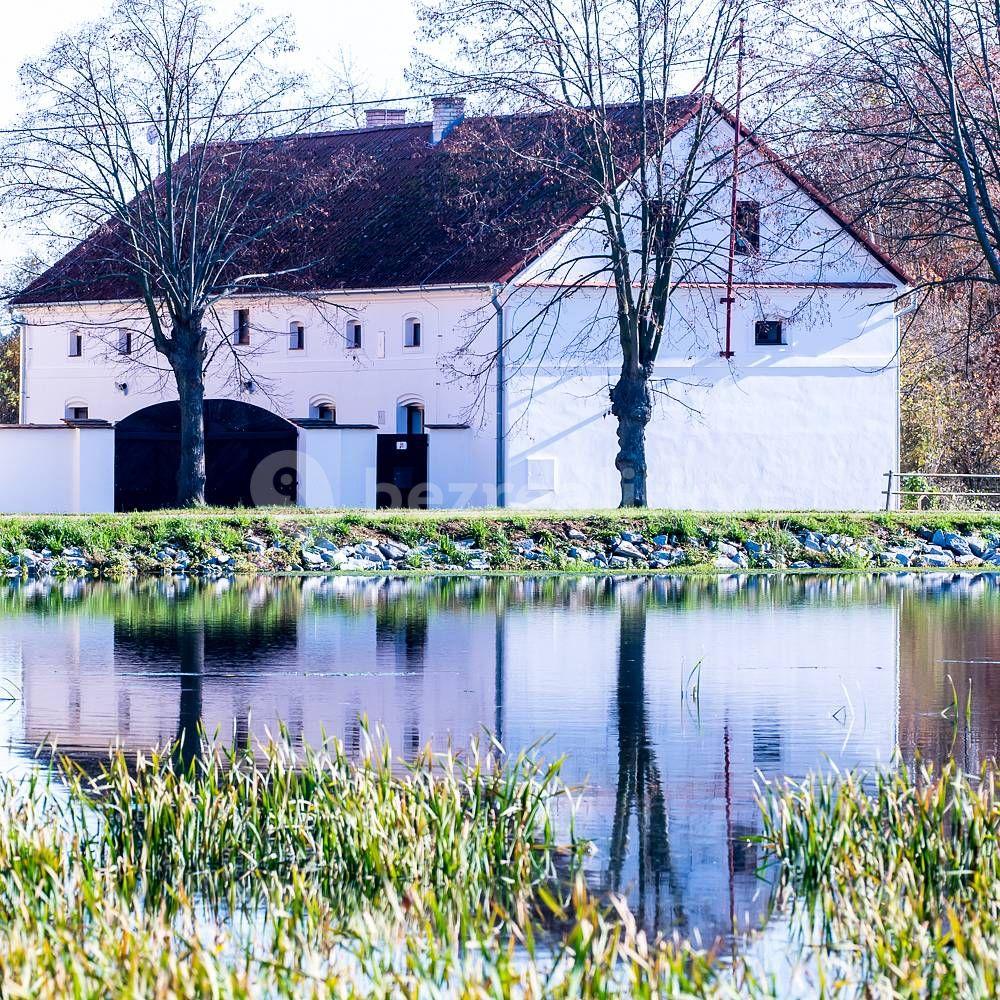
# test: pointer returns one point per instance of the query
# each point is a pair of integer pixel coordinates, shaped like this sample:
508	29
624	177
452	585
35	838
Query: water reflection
639	793
794	672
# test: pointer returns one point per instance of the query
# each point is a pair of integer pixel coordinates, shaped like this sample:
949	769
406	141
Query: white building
353	378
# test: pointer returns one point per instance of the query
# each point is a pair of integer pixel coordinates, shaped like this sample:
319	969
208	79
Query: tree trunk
191	394
632	404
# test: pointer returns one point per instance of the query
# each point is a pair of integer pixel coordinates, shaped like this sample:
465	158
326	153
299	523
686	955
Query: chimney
378	117
448	112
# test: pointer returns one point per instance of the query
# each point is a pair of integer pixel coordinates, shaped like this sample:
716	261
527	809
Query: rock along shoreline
213	546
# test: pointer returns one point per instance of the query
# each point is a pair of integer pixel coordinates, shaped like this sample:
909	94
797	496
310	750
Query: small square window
354	336
747	225
79	413
76	344
325	411
241	327
768	333
297	337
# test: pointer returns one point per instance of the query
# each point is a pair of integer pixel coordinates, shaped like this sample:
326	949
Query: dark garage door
249	456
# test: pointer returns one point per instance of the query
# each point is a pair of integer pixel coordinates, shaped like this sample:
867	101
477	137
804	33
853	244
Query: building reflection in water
793	673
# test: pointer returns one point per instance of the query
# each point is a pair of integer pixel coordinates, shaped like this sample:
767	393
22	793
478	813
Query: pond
668	696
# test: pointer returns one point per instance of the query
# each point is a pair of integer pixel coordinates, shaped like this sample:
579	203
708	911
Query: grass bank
280	540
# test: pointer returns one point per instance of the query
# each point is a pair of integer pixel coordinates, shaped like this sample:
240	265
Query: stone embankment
598	544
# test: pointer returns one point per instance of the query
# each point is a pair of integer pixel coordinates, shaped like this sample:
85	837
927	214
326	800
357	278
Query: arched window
77	410
296	337
75	344
411	332
353	335
323	409
410	417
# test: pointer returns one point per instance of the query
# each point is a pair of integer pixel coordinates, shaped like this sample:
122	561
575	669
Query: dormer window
76	344
768	333
354	336
296	337
124	341
411	332
747	225
241	327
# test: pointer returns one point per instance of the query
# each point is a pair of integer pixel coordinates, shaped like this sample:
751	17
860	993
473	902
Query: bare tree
901	127
592	82
158	132
356	94
912	102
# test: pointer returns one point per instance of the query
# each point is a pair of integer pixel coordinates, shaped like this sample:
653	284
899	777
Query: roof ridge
398	126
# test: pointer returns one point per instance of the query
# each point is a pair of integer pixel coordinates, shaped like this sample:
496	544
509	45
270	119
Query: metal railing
934	494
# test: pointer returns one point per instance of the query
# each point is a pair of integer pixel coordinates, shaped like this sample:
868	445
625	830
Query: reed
235	817
293	872
898	874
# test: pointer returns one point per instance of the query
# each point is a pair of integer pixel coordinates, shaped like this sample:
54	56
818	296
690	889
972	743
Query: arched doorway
249	456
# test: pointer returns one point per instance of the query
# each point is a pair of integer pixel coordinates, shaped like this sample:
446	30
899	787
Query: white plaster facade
810	423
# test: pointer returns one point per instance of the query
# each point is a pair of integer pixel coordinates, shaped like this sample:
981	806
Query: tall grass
900	873
444	823
300	873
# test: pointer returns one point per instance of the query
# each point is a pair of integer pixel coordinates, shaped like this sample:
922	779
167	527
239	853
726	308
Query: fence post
888	491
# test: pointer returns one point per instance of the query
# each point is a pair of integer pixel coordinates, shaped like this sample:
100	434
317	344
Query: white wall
336	467
462	467
811	424
364	385
56	469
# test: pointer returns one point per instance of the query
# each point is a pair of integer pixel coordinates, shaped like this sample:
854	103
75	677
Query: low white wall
357	468
336	467
459	468
56	469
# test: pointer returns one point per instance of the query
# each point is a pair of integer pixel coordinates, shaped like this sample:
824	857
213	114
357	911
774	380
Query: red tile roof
383	208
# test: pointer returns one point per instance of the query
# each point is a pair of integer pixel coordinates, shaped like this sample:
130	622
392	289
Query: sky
377	35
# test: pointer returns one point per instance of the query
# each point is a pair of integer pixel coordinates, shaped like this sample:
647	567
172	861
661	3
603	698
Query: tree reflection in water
191	662
640	794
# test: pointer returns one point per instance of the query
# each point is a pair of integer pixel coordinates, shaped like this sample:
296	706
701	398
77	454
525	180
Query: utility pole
734	195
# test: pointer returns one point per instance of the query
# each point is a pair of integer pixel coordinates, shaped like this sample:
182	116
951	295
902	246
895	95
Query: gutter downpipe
501	432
